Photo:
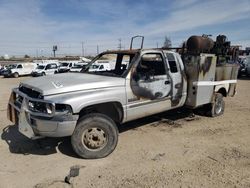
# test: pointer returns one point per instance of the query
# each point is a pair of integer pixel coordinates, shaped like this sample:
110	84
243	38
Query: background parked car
65	67
45	69
2	68
20	69
244	67
78	67
100	66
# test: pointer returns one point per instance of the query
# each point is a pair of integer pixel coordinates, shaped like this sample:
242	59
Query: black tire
16	75
239	74
95	136
43	74
217	107
247	73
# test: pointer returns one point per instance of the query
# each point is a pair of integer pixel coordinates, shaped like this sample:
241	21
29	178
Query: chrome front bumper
35	124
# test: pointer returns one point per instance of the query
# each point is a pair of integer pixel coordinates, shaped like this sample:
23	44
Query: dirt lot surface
172	149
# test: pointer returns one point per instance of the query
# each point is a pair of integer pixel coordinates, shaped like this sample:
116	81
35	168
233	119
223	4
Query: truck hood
70	82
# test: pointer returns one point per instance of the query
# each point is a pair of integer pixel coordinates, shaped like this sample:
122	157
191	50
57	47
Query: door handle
167	82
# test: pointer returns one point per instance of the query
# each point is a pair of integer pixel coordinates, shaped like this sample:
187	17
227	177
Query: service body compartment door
201	76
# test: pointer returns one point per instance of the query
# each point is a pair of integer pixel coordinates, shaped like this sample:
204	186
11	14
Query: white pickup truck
89	106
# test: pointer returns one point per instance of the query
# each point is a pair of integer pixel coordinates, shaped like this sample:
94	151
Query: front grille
18	101
6	71
30	92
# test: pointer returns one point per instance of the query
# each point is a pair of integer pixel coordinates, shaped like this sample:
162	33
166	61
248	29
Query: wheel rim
94	138
218	106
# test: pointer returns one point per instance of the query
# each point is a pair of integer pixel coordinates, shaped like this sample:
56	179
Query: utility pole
120	44
54	50
157	44
82	48
97	49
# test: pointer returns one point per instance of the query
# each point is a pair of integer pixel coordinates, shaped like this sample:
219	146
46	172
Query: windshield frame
123	75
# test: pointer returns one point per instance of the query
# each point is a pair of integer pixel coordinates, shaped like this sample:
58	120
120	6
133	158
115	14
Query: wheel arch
222	90
114	110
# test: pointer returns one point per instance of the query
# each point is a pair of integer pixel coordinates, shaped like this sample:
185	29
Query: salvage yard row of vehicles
41	69
91	105
22	69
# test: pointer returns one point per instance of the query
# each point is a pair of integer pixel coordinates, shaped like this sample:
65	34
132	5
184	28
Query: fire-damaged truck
90	105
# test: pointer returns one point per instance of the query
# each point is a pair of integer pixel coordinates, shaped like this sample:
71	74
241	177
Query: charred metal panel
148	86
200	69
149	79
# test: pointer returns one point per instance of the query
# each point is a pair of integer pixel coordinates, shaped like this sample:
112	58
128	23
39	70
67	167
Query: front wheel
217	107
95	136
16	75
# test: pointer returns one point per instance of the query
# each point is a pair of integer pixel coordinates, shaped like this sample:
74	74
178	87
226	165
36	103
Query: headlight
63	108
40	107
31	105
49	108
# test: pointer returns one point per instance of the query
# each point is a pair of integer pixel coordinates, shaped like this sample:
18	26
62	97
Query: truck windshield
64	64
40	67
11	66
116	64
79	66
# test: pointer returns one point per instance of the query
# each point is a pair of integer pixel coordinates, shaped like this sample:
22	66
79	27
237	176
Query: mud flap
23	123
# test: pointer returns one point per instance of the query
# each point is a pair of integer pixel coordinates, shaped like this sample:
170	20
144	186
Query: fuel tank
199	44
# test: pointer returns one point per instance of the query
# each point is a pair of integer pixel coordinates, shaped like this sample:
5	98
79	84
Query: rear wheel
43	74
216	108
95	136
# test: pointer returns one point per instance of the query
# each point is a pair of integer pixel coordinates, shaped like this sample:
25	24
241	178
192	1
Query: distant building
6	56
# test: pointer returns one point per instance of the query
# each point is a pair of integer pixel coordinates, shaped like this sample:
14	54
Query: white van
19	69
45	69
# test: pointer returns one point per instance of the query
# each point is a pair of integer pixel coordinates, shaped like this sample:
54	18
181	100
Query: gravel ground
172	149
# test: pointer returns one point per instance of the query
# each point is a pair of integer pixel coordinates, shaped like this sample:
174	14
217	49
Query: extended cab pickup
88	106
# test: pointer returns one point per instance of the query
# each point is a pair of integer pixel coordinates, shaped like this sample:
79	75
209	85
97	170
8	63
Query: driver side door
148	86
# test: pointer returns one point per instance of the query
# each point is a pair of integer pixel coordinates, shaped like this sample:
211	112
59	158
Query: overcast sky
33	26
